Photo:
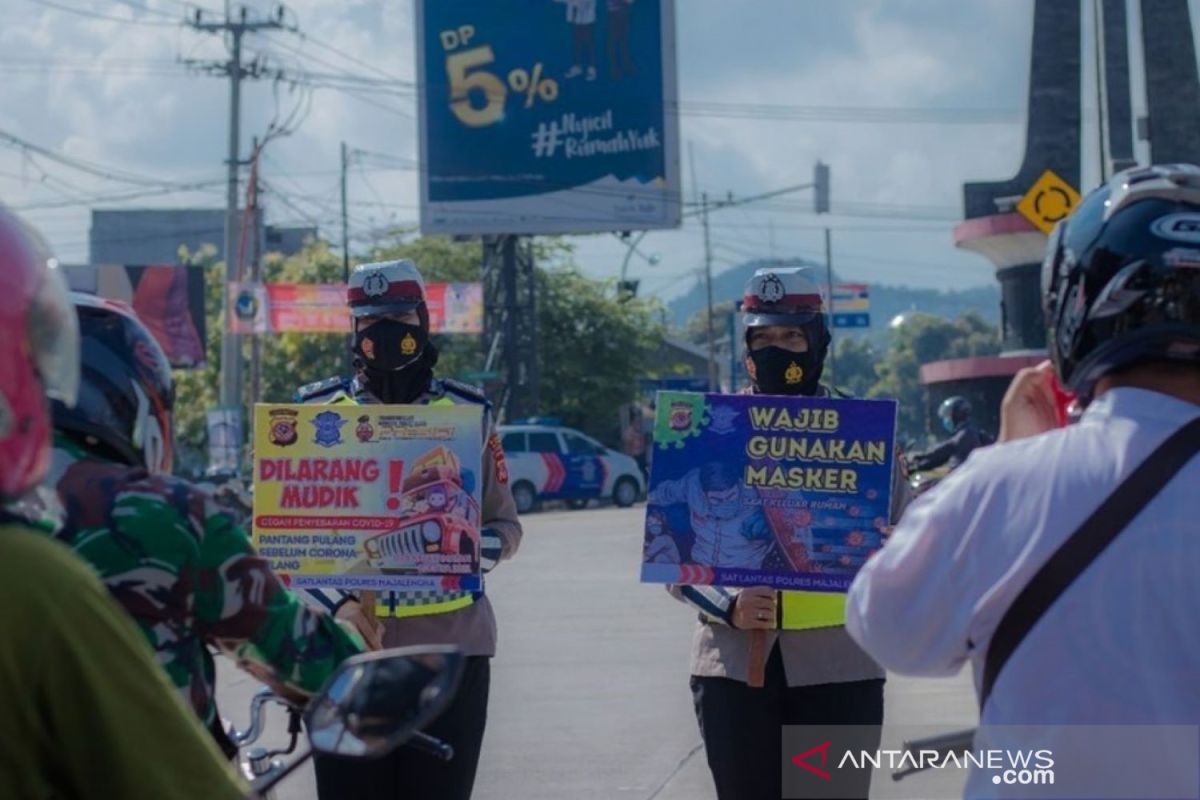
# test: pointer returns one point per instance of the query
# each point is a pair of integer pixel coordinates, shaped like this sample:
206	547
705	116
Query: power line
95	15
92	168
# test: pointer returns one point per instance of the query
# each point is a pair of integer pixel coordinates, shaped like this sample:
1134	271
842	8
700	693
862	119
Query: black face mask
388	345
780	371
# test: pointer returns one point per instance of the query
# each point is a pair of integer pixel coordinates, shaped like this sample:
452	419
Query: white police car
547	461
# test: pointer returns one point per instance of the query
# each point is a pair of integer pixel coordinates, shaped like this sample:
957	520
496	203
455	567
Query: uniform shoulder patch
466	391
315	392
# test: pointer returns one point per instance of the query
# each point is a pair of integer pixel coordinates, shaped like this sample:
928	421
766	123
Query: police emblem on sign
283	427
770	288
375	285
329	428
681	416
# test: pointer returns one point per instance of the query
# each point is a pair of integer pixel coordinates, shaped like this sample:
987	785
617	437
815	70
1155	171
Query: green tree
852	367
696	329
923	339
592	348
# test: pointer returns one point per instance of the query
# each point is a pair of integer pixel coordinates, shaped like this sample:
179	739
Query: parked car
552	462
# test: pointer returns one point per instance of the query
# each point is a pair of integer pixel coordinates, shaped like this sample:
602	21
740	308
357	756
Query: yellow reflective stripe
442	401
805	610
341	399
385	609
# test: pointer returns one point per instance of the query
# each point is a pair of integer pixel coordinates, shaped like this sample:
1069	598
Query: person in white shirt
1121	644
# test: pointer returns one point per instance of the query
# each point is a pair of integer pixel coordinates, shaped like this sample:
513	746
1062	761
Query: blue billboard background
525	98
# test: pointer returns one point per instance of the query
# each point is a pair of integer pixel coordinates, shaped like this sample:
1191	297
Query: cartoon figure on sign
793	529
660	547
329	428
364	431
729	527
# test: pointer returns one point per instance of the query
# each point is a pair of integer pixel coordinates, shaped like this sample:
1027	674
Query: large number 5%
465	78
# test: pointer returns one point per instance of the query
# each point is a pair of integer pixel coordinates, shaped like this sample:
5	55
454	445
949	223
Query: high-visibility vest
805	610
383	605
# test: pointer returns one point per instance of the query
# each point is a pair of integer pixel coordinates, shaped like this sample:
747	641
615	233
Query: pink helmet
39	354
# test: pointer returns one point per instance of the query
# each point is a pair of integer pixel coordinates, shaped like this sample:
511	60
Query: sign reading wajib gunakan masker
369	497
753	490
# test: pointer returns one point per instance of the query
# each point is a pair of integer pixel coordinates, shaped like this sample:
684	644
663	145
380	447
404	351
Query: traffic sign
1049	200
851	306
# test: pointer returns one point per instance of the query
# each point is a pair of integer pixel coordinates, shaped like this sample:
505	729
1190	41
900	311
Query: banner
308	308
369	497
755	490
168	298
321	308
455	307
547	117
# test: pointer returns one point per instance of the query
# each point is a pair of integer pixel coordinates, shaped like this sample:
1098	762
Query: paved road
589	688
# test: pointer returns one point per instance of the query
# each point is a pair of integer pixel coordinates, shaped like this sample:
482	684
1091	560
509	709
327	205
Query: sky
104	82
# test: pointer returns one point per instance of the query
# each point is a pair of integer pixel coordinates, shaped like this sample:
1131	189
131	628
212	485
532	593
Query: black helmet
126	395
954	411
1121	279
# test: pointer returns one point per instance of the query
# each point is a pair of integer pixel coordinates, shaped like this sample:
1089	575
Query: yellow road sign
1048	201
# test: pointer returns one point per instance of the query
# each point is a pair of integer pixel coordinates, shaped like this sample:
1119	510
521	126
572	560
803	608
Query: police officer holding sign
1062	562
815	674
394	362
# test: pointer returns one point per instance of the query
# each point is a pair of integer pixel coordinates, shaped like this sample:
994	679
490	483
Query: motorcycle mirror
377	701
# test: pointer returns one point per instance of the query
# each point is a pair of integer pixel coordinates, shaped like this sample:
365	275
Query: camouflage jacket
190	578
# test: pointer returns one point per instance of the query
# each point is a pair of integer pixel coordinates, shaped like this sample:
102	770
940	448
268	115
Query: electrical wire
95	15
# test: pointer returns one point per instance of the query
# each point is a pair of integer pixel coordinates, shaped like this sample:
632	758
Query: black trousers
407	774
742	727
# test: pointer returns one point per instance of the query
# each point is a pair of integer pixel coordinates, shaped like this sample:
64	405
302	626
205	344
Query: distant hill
886	301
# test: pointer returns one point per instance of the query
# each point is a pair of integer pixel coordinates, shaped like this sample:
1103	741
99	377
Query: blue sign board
854	320
547	116
754	490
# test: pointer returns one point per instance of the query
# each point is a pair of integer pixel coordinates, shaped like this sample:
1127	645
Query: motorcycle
374	703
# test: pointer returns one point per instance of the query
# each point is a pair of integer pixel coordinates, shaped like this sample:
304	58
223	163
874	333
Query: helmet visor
755	319
54	337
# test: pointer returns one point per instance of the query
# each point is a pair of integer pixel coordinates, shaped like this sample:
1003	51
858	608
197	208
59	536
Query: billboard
547	116
321	308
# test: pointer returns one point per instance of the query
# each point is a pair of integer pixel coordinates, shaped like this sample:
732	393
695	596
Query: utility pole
345	218
236	28
712	353
829	280
821	193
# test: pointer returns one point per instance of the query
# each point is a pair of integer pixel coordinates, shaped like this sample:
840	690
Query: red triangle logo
800	761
